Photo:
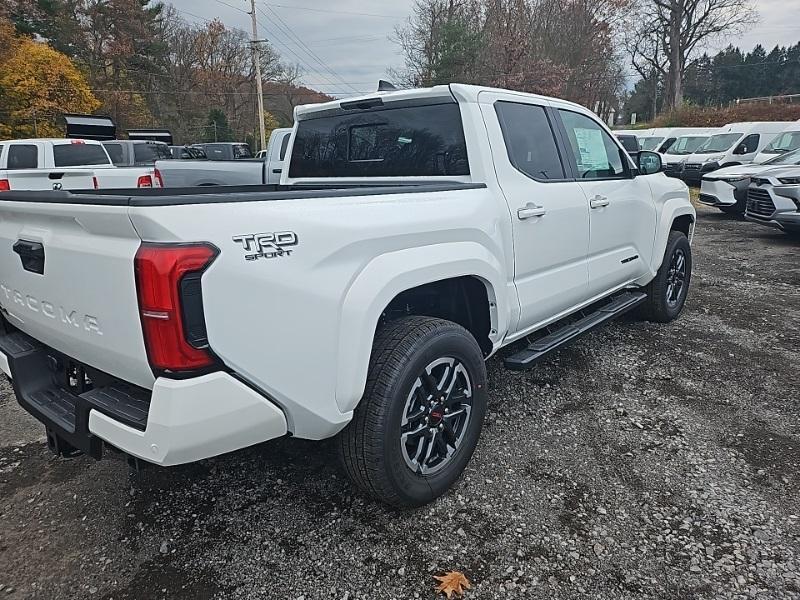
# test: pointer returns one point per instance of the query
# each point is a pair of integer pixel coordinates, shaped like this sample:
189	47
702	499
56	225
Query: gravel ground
645	461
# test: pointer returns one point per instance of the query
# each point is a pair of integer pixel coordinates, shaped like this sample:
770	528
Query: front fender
389	274
672	208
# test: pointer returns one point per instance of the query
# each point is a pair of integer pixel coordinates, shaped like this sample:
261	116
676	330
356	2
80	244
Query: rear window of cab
78	155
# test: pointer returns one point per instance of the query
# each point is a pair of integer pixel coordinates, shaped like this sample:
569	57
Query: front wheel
666	294
421	415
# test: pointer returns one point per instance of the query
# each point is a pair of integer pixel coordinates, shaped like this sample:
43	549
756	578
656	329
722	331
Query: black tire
372	453
658	307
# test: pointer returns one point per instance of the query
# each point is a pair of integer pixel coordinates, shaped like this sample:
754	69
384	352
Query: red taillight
5	185
160	268
94	183
145	181
159	179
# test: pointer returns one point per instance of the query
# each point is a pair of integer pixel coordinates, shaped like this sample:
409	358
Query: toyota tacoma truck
413	235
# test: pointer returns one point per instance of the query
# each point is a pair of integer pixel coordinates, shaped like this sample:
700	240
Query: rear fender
389	274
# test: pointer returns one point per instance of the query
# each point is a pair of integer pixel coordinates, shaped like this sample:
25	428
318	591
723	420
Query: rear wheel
420	418
666	294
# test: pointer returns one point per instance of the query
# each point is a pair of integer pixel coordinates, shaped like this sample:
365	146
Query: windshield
687	144
79	154
650	143
150	153
718	143
785	142
788	158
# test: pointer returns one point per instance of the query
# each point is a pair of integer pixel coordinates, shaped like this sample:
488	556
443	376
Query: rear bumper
180	421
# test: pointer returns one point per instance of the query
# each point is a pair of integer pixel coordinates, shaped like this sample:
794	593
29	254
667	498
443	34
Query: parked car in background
735	144
682	147
726	188
253	171
773	199
415	234
188	153
227	150
129	153
660	139
786	141
36	164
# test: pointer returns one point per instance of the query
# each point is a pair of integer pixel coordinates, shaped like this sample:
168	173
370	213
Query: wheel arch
391	279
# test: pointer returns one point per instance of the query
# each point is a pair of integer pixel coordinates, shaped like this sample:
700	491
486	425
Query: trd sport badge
277	244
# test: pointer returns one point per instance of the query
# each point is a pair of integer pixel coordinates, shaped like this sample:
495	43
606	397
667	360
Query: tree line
142	64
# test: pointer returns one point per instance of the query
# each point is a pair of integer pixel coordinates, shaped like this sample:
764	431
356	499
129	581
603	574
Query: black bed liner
222	194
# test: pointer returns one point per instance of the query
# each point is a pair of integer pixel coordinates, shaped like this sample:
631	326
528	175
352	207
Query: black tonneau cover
222	194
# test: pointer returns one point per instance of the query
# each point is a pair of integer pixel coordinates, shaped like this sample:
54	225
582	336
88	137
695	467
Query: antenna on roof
385	86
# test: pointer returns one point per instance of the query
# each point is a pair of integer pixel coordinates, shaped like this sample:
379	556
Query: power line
307	49
339	12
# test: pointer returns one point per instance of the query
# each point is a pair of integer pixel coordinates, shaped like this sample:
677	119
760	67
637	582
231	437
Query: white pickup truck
66	164
414	234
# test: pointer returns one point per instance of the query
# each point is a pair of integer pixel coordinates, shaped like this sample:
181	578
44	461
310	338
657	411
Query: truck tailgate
67	280
49	179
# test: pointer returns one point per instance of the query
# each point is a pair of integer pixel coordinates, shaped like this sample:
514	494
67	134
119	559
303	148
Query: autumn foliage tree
37	85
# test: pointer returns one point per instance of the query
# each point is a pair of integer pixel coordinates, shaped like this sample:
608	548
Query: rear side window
78	155
23	156
529	139
284	145
242	151
421	141
115	152
150	153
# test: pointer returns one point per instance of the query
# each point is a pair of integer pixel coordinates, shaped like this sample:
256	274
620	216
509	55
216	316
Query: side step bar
525	359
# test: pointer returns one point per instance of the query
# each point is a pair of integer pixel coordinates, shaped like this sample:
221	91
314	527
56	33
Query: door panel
549	213
622	214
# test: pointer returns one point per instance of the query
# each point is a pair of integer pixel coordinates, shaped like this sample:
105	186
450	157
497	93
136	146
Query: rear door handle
599	201
531	210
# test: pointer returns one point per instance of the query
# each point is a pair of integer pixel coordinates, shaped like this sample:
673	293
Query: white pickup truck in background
415	234
66	164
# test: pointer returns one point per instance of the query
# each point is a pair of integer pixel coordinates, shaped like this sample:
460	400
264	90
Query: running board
525	359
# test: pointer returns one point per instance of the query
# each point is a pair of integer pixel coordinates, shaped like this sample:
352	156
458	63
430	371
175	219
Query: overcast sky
343	46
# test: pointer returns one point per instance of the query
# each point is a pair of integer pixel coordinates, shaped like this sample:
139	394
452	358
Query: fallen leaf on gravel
453	582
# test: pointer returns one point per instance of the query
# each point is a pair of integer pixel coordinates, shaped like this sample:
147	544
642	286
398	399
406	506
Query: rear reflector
161	270
145	181
5	185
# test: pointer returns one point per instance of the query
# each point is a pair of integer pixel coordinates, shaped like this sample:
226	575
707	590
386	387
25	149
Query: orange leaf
452	582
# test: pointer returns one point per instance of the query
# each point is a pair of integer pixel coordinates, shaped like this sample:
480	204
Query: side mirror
649	162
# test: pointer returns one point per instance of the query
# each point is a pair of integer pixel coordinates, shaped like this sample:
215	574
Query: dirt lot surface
645	461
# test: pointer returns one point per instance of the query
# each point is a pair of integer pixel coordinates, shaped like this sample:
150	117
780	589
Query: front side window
23	156
147	154
407	141
529	140
748	145
79	155
596	154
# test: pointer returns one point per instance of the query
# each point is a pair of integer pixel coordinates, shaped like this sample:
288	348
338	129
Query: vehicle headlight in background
715	157
789	180
733	179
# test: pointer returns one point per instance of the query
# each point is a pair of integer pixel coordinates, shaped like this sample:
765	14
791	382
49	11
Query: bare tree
665	36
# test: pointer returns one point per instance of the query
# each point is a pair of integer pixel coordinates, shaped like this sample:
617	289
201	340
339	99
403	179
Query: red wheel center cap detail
436	415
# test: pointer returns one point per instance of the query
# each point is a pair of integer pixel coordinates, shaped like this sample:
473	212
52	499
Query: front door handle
599	201
531	210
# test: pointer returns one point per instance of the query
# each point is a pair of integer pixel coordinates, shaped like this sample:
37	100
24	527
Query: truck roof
50	140
455	91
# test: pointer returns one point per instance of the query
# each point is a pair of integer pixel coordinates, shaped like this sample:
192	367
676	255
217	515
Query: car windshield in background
718	143
785	142
78	155
789	158
418	141
144	154
650	143
686	144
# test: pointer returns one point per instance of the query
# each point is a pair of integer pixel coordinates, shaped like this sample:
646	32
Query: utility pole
257	62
